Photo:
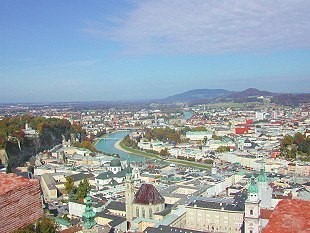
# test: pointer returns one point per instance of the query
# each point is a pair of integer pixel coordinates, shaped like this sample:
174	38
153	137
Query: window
251	212
143	212
137	212
251	231
150	212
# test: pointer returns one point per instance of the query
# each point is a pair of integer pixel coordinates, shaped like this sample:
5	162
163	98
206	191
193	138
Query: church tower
264	190
88	215
252	210
129	193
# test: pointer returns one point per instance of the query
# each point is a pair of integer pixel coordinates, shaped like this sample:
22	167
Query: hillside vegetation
20	148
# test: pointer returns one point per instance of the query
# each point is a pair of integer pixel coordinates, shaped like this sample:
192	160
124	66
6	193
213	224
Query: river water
106	144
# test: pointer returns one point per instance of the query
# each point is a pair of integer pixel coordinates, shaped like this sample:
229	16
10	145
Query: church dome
115	163
148	194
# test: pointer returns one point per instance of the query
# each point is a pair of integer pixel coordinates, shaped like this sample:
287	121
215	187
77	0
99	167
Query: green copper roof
262	176
115	163
89	215
253	187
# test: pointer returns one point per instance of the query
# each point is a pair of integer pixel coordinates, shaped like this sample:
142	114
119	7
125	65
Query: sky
77	50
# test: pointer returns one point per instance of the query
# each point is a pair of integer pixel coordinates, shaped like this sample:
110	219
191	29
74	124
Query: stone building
145	203
216	215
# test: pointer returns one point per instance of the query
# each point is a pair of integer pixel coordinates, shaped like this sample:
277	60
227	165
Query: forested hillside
20	148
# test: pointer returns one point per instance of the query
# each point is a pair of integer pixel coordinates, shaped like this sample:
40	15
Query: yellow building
48	185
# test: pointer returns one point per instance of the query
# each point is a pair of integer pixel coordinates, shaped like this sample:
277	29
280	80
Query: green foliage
69	184
294	147
43	225
64	157
50	131
85	144
83	189
199	128
46	225
164	152
215	137
222	149
163	134
130	143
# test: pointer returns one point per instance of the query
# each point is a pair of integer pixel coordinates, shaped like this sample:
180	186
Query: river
106	144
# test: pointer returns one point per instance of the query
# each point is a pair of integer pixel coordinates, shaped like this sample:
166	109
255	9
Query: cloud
208	26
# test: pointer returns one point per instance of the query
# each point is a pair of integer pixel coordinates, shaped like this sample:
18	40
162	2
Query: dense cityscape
155	116
217	167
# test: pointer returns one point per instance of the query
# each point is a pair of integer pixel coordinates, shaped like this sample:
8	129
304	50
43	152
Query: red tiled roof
265	214
20	202
148	194
290	216
9	182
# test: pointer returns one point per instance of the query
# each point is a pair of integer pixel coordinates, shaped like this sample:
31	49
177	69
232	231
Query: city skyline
132	50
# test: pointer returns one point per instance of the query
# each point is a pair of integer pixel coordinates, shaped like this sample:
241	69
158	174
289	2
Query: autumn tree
69	184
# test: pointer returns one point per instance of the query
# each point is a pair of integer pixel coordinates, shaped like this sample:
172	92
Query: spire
262	176
252	187
128	169
89	214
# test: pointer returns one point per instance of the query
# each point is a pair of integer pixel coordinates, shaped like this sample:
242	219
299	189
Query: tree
64	157
287	140
46	225
164	152
298	138
222	149
43	225
69	184
83	189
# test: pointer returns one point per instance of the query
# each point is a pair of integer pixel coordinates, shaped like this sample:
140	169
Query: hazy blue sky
114	50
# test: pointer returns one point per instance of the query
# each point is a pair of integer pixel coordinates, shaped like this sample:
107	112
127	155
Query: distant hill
197	94
291	99
249	93
201	96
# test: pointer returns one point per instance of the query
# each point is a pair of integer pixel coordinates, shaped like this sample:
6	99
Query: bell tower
129	194
252	210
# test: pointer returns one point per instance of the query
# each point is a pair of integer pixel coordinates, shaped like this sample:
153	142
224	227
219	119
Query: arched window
251	212
143	212
150	212
137	211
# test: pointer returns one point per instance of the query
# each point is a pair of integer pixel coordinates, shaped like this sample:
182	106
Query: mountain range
198	96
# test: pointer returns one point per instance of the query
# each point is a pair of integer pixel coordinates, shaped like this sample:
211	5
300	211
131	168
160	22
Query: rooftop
9	182
290	216
148	194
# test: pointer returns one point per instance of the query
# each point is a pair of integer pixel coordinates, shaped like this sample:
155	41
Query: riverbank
119	145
